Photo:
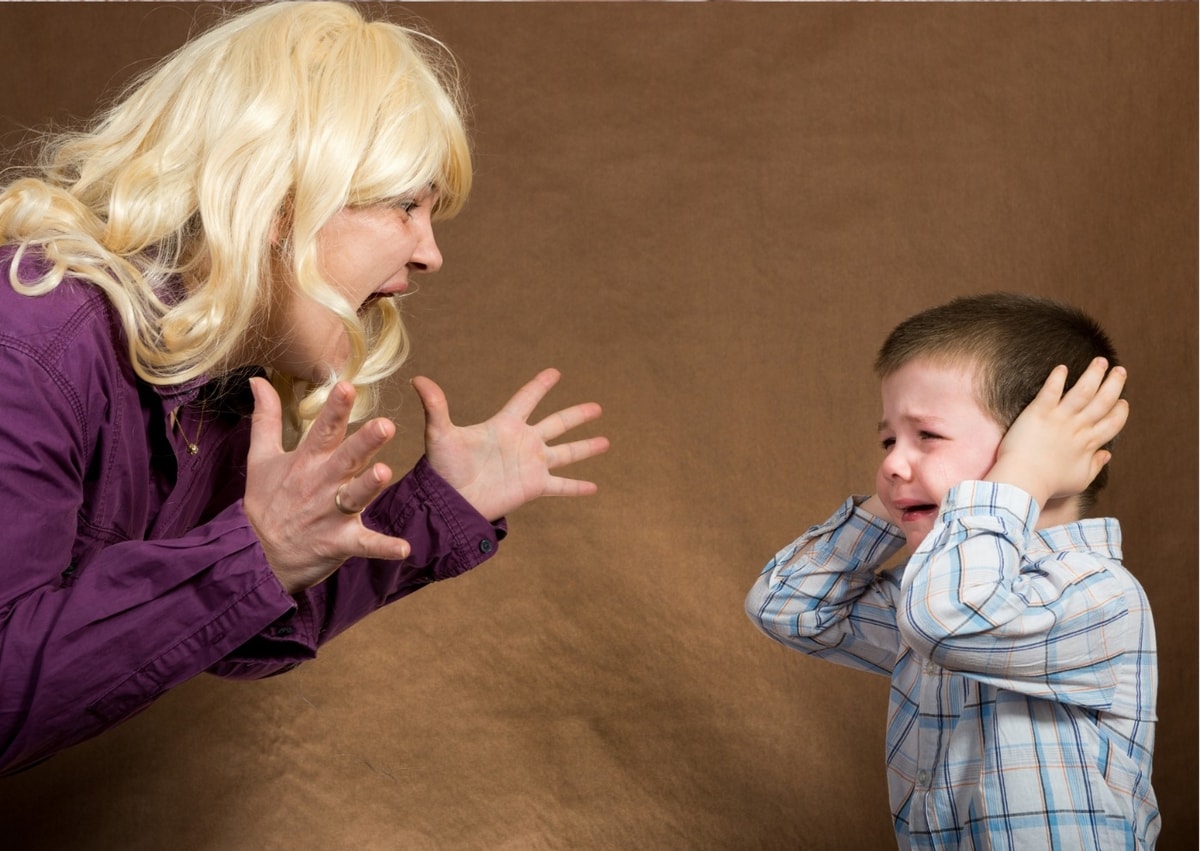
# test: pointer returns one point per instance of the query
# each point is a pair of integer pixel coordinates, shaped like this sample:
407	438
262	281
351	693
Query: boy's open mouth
915	512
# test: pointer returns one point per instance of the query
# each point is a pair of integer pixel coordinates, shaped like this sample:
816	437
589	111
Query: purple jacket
129	565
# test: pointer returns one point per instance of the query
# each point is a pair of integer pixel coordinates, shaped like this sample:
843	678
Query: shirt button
930	668
923	777
284	631
485	546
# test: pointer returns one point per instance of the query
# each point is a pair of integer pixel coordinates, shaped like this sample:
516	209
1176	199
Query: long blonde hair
227	158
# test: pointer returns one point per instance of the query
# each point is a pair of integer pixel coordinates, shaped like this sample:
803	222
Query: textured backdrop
708	216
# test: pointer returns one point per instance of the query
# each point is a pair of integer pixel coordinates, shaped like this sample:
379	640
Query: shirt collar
1095	535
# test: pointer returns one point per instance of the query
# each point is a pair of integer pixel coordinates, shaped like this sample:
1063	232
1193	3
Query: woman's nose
426	257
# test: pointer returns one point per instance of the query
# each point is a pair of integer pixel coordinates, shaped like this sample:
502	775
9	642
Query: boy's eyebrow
918	419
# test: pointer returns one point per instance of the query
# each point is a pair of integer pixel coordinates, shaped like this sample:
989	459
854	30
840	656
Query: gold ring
337	502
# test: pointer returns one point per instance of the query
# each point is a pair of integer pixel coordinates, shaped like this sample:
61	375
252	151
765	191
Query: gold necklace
193	446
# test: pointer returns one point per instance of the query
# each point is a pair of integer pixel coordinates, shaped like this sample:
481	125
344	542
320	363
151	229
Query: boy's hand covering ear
1053	449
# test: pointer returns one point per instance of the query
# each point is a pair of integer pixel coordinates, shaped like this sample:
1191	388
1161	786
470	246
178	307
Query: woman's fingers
578	450
559	423
266	423
559	486
369	544
353	496
525	400
329	428
304	504
433	401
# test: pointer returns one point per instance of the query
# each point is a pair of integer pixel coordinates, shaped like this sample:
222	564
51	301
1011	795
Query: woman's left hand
505	462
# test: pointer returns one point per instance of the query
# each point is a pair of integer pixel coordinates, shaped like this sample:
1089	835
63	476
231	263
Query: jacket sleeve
447	537
977	601
826	595
86	643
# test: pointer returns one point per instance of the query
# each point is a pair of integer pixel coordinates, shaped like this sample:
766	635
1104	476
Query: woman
200	299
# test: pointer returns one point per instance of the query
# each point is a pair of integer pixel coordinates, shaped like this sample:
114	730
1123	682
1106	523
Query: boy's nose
896	466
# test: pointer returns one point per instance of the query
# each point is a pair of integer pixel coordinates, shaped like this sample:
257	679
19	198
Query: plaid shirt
1022	662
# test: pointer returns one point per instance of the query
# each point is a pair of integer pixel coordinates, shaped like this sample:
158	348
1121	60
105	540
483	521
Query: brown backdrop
707	216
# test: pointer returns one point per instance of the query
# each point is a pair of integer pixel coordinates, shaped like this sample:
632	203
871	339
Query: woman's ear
281	226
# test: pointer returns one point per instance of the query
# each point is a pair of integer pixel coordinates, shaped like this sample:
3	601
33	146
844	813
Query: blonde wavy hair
225	160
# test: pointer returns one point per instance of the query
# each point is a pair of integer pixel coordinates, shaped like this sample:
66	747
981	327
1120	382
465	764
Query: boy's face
934	435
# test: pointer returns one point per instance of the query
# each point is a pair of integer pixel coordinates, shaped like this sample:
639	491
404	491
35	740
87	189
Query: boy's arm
824	595
976	601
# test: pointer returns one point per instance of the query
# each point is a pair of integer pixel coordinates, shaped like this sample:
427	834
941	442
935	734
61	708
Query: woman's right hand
304	505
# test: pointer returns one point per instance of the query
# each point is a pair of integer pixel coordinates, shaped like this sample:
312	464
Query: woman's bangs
411	156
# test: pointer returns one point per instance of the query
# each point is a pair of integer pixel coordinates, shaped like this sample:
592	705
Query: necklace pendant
193	449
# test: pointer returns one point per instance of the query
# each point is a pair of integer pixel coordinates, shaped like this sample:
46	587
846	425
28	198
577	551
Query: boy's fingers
1111	424
1052	388
1099	460
1113	384
1106	396
1090	382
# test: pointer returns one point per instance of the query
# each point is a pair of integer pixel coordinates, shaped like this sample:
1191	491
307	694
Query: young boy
1021	652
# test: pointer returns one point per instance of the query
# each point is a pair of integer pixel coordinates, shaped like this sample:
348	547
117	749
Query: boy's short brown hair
1013	341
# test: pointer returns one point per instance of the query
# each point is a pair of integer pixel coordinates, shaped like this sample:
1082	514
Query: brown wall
707	216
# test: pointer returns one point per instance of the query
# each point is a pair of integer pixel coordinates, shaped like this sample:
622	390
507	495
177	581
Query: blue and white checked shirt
1023	668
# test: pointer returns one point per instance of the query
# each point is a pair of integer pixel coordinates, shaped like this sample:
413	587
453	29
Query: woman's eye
406	205
928	435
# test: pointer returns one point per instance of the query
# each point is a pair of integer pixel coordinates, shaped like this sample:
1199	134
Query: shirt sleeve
826	595
975	601
447	537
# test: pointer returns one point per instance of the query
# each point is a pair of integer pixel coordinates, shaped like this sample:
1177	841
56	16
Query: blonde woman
199	298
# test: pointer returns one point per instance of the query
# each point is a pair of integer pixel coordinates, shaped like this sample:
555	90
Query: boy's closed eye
888	442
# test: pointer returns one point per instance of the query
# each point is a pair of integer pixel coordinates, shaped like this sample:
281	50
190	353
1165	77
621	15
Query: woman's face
365	253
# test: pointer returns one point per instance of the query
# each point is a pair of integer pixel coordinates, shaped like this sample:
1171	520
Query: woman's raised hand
304	504
505	462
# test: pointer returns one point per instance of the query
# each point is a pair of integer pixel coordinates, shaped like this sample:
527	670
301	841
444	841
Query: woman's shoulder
70	329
